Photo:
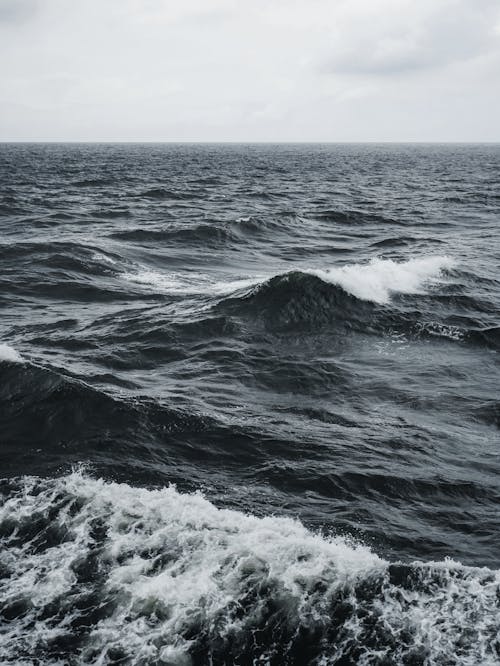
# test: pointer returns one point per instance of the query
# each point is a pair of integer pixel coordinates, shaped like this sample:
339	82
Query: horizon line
249	142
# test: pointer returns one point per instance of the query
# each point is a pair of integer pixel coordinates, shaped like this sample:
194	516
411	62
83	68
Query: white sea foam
380	278
375	281
439	330
189	284
99	256
8	353
173	570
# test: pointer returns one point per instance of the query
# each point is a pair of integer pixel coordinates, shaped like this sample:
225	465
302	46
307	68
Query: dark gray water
308	335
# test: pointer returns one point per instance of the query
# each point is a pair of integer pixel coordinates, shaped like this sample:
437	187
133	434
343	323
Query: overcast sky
250	70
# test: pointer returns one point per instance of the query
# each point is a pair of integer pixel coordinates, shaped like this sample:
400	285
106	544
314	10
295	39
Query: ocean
249	404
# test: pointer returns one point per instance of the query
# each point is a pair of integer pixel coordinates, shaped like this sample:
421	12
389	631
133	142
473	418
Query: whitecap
156	574
8	353
380	278
189	284
375	281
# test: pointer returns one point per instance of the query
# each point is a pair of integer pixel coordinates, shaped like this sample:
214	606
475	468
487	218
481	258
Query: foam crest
155	576
379	279
8	353
375	281
189	284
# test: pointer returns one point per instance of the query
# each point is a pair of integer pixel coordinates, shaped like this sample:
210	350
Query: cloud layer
270	70
415	37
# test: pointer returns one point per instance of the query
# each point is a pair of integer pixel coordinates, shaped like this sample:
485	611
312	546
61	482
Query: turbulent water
249	404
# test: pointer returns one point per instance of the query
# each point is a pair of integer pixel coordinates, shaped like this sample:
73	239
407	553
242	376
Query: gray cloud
15	11
455	32
216	70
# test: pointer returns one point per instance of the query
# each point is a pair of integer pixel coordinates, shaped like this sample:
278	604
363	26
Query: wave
8	353
70	421
201	233
100	572
380	278
55	406
161	193
111	213
398	241
187	283
349	217
375	281
489	337
439	330
283	221
300	300
348	296
94	182
63	270
60	255
489	412
10	205
250	229
60	215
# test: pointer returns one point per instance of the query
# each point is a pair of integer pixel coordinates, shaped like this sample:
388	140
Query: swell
486	336
68	421
95	182
300	301
143	329
162	193
348	217
63	270
489	412
96	572
405	241
63	286
237	231
311	301
49	419
60	255
11	205
42	409
251	228
284	222
194	235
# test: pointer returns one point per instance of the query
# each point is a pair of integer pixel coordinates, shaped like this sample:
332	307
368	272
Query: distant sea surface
249	404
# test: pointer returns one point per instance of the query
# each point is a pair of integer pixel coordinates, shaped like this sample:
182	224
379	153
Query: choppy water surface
249	404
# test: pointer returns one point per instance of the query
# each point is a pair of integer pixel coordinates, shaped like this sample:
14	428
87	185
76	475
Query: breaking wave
379	279
375	281
8	353
354	296
187	283
301	300
104	573
349	296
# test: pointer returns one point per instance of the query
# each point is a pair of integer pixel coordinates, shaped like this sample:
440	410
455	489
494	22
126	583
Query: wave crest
300	300
380	278
8	353
108	572
348	295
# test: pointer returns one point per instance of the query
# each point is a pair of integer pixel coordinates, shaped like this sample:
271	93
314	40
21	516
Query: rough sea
249	404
